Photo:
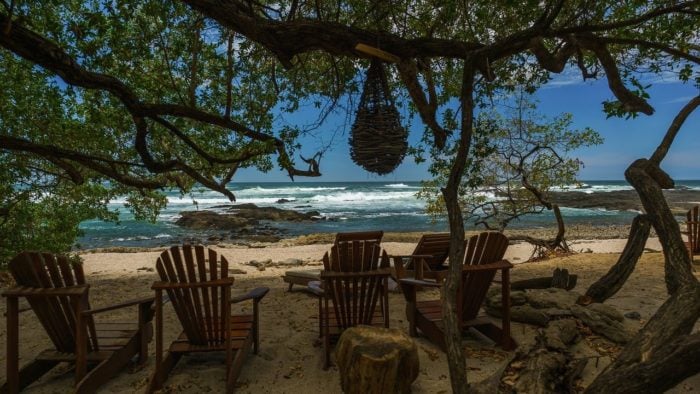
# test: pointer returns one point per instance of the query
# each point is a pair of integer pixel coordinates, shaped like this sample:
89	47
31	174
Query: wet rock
624	200
263	238
283	201
252	211
202	220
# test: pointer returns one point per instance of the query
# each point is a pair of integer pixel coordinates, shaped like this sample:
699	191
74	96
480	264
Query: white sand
290	359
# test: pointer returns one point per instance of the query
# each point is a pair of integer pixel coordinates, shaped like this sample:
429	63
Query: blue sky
625	139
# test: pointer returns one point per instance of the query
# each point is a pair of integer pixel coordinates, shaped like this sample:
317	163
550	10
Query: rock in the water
551	298
602	324
252	211
201	220
283	201
376	360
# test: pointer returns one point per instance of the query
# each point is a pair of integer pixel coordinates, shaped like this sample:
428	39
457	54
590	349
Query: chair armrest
46	292
192	285
256	295
502	264
336	275
415	256
143	301
418	282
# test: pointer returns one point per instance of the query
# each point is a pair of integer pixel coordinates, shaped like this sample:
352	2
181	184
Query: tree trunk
608	285
453	334
558	241
376	360
662	353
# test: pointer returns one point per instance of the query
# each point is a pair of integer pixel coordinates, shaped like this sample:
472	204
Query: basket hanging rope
378	142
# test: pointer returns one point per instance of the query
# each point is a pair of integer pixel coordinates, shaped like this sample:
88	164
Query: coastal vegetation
133	97
518	159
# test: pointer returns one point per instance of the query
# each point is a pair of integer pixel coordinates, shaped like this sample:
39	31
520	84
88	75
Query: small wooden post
374	360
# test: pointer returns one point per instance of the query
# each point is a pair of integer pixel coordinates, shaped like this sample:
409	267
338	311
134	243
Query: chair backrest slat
190	269
354	298
693	216
200	310
375	236
56	314
483	248
435	244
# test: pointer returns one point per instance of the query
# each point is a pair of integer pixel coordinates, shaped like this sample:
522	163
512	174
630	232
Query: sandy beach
290	359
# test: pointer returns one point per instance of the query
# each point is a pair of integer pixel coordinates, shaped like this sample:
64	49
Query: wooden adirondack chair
354	280
57	293
197	283
427	259
693	231
304	277
483	257
375	236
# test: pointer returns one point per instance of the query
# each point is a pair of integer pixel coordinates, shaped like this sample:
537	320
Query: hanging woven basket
378	142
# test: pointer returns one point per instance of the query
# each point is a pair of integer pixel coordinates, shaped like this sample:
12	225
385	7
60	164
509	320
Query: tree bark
453	334
608	285
662	353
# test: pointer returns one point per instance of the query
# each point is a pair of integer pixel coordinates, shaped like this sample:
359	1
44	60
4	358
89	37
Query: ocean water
347	206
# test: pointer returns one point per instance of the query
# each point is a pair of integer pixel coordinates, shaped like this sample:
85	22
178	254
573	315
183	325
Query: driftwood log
376	360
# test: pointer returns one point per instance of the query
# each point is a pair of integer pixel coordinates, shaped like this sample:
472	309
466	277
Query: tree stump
376	360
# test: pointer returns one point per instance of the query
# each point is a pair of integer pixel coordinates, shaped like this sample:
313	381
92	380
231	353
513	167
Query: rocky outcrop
678	200
241	217
203	220
254	212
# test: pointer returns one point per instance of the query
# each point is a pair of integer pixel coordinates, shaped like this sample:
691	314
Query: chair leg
234	369
411	315
327	351
145	332
256	327
12	315
162	371
326	338
28	374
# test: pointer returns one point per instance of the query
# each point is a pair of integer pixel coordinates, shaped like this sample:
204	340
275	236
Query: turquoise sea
346	206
